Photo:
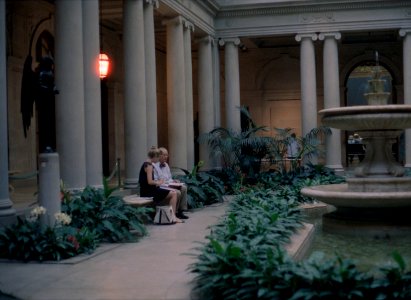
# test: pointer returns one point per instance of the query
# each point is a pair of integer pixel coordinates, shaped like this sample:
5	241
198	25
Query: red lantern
104	65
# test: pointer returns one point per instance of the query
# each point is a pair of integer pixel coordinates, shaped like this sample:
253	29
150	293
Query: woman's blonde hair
153	152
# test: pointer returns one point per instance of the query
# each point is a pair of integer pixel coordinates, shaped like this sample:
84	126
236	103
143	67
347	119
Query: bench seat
136	200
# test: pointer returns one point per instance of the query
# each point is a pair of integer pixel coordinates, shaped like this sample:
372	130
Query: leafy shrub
28	240
106	214
244	259
87	219
203	188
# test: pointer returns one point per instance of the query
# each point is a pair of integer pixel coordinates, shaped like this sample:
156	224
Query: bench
137	201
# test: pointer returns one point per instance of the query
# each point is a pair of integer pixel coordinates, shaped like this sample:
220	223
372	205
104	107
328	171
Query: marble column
176	90
332	95
69	72
216	163
216	84
308	84
406	34
205	95
188	72
151	87
92	94
232	84
135	108
5	202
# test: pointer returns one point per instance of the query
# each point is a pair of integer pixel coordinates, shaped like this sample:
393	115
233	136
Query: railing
116	171
14	176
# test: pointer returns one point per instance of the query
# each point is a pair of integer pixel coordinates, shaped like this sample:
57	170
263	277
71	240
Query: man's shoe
181	215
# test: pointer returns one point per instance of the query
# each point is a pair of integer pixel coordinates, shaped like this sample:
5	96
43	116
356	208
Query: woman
151	188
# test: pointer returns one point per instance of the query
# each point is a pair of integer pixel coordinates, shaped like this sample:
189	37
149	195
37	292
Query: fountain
378	191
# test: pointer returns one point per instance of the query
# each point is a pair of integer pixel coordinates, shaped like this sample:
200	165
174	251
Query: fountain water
378	191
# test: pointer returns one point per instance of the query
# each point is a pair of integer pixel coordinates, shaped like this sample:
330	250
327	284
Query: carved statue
39	87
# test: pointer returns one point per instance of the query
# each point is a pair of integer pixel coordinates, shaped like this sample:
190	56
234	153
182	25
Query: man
293	148
162	171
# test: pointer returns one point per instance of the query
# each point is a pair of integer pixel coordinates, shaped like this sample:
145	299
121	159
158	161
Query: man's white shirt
162	172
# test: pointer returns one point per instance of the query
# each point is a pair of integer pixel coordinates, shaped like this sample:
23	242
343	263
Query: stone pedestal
49	186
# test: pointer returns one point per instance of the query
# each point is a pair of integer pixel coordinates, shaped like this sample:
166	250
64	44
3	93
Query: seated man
162	172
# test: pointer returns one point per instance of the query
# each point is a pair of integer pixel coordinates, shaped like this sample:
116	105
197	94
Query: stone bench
137	201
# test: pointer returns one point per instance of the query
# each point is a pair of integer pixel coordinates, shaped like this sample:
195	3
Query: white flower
36	213
62	218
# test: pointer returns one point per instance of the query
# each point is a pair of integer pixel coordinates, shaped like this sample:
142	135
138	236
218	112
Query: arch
44	45
46	24
369	57
272	66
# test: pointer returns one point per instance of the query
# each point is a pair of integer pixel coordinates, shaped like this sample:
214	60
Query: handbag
164	215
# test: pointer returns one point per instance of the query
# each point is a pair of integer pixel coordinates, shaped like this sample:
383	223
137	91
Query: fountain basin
368	117
340	195
378	185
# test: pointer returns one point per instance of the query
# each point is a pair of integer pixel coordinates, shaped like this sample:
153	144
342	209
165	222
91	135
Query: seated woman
151	188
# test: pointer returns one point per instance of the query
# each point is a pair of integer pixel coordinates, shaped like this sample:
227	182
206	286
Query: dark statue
39	87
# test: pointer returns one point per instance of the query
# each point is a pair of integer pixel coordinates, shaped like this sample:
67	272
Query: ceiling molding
295	7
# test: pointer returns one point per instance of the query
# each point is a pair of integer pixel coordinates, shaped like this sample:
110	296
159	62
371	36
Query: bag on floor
164	215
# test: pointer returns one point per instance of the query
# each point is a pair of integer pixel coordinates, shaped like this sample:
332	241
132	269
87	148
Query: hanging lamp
104	65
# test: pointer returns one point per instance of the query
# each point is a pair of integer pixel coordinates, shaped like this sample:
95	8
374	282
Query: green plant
309	146
87	218
28	239
239	150
203	188
243	258
111	218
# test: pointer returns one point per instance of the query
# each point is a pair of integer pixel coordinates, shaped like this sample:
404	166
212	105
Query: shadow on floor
4	296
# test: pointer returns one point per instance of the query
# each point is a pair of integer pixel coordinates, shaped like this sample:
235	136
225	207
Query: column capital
152	2
174	21
299	37
236	41
323	35
188	25
404	31
206	39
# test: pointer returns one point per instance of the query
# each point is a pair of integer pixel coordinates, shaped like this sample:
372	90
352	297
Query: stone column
216	84
308	84
135	108
406	33
5	202
332	95
188	72
151	87
232	84
69	72
216	93
92	94
205	95
176	99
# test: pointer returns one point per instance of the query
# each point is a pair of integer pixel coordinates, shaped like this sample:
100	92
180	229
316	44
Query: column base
338	168
6	208
131	183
